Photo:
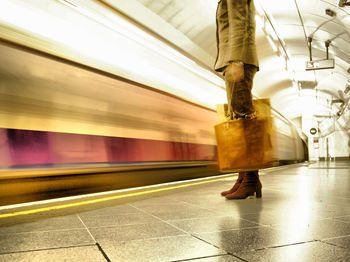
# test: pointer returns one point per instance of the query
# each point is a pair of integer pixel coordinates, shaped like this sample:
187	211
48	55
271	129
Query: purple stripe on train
26	147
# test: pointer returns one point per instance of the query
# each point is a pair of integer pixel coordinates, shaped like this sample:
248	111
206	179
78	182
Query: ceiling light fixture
347	89
319	64
330	12
343	3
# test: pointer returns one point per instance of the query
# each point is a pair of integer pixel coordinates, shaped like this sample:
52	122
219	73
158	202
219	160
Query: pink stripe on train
26	147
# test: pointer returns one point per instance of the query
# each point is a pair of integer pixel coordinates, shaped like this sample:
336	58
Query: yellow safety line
39	210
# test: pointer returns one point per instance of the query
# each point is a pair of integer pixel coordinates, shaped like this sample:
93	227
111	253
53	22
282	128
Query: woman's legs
236	185
250	185
240	105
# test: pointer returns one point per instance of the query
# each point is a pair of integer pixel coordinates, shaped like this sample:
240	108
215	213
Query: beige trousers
235	32
236	42
239	95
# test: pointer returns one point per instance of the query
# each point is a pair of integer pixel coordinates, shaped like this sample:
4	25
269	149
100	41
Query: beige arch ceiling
190	24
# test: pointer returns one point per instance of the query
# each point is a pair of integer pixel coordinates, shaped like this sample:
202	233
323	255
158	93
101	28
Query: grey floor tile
306	208
212	224
240	207
116	234
158	206
332	211
42	240
222	258
160	249
172	199
217	203
118	220
285	218
113	210
207	200
178	211
249	239
55	223
343	219
333	200
189	213
306	252
326	228
339	241
74	254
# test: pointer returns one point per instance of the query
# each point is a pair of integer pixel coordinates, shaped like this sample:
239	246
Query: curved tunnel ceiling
282	75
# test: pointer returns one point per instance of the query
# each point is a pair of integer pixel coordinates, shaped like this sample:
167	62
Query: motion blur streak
70	31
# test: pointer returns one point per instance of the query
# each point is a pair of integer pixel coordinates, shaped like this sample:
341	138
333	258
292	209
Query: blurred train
72	125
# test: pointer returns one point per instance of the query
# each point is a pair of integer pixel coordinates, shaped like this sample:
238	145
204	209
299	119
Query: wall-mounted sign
316	144
313	131
319	64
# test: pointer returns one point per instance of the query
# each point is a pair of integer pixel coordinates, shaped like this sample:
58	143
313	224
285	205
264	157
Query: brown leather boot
250	185
236	185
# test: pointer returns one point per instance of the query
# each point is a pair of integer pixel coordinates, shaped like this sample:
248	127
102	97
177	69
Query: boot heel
258	193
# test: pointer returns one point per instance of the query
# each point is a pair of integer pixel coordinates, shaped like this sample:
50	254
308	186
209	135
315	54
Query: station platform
303	215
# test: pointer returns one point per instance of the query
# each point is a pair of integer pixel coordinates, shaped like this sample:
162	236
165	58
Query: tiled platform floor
304	215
